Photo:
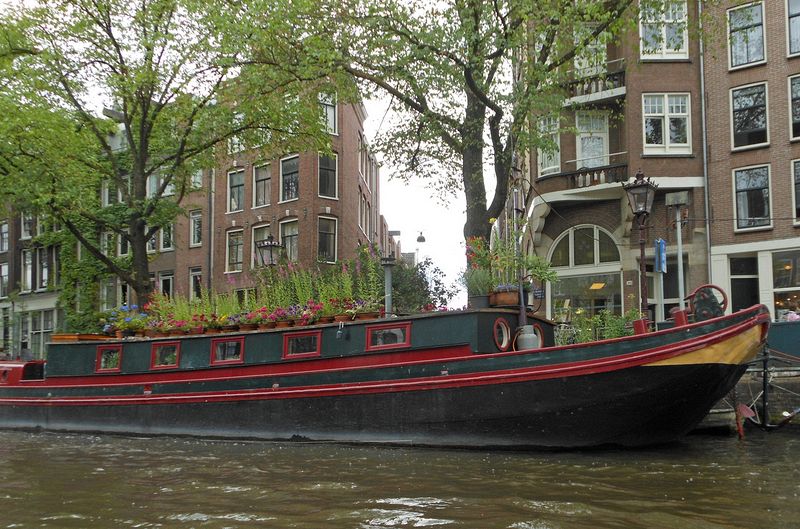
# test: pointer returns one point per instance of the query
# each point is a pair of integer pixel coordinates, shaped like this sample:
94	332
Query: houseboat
457	378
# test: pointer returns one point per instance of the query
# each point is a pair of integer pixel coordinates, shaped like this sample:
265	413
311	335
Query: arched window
589	274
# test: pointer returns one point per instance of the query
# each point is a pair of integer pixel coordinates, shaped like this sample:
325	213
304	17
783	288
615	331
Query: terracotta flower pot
342	317
248	326
325	319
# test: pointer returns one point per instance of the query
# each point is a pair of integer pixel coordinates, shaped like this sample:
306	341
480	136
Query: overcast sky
410	208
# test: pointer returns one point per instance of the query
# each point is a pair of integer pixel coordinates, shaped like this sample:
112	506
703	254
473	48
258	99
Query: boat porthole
502	334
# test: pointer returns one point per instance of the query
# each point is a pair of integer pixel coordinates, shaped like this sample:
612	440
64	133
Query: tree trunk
477	223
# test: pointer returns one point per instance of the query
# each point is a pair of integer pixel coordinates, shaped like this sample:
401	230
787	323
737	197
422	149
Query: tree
469	76
418	287
135	97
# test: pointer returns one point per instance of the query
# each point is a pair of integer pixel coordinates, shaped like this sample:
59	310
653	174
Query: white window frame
195	272
792	137
328	102
268	198
228	234
795	188
763	36
789	32
281	198
4	236
4	286
601	133
168	276
162	246
123	247
665	54
335	157
253	250
26	226
549	126
668	147
335	237
768	226
152	243
236	142
196	180
297	243
733	125
228	191
26	270
195	217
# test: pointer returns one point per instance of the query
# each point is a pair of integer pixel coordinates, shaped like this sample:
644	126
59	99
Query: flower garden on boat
286	295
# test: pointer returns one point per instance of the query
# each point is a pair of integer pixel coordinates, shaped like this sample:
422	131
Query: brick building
638	105
319	207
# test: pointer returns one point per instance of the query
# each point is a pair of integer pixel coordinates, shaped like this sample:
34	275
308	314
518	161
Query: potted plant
480	283
511	266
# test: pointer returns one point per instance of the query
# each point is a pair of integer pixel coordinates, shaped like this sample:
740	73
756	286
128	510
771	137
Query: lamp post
641	193
269	251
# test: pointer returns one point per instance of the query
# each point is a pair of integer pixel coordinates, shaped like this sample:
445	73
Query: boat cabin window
388	336
302	344
502	334
165	354
227	351
33	371
109	358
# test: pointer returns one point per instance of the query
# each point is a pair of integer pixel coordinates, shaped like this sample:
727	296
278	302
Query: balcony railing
592	176
588	83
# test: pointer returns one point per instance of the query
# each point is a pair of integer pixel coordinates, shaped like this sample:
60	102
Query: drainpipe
210	252
705	140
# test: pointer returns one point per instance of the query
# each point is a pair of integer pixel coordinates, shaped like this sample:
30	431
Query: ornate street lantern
641	193
269	251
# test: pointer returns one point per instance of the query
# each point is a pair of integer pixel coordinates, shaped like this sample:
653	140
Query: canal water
85	481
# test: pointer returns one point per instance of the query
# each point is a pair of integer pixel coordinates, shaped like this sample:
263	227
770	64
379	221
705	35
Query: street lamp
269	251
641	193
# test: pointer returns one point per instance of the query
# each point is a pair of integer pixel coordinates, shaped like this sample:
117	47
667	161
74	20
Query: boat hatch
13	373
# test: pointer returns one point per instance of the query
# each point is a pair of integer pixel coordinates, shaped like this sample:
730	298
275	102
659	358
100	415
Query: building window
662	31
550	157
592	140
796	189
289	238
108	294
235	252
164	355
3	280
167	242
195	228
750	122
328	104
236	190
26	226
786	281
589	271
290	179
262	185
109	358
236	141
327	176
4	236
666	124
26	279
122	245
794	26
165	282
744	282
42	324
195	283
227	351
361	154
752	197
197	179
152	242
794	96
746	35
260	235
42	267
108	194
327	240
